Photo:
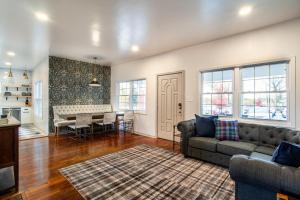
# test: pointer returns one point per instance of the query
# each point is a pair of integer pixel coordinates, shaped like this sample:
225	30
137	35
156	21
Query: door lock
180	106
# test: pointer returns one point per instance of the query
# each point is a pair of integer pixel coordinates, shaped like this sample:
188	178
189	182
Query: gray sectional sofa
249	160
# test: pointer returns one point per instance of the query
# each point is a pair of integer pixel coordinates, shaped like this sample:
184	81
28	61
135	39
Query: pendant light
94	82
25	74
10	74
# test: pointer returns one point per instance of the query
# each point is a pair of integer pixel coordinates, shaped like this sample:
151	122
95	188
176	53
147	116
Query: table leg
173	138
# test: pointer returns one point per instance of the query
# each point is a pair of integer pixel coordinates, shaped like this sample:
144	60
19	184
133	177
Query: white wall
278	41
41	72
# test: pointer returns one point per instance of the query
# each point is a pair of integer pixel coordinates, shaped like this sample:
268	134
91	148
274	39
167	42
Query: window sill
140	113
277	123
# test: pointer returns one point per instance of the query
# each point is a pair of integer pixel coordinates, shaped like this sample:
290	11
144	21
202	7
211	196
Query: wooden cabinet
9	149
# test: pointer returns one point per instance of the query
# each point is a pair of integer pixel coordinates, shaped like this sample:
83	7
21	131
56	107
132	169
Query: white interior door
170	103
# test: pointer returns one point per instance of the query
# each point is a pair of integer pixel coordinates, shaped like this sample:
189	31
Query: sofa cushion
226	130
205	143
261	156
290	178
234	147
248	132
265	150
62	123
205	126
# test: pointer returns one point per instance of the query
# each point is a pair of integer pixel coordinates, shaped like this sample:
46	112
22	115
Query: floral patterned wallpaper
69	84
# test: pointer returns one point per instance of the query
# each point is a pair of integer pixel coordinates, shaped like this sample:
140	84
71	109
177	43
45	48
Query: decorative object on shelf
26	94
18	91
94	82
7	93
27	102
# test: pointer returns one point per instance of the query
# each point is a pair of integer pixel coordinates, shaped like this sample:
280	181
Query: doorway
170	105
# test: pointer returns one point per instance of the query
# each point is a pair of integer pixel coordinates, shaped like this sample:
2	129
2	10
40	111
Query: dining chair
82	123
128	121
109	119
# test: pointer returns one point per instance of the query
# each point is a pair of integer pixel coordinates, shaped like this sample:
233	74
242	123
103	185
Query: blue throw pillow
205	126
287	154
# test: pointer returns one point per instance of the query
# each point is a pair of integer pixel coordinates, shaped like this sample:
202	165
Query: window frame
131	95
254	92
237	91
228	93
38	99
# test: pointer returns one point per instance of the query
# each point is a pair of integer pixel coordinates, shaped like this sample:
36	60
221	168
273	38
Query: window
132	95
38	105
217	92
257	92
124	96
264	92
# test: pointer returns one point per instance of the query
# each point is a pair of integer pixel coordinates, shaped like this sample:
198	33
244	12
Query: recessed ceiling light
246	10
135	48
42	16
8	63
96	37
10	53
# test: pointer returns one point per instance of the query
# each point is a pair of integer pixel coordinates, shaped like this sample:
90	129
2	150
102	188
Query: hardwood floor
41	158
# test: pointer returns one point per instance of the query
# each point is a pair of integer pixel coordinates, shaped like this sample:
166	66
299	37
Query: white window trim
233	84
40	115
142	112
291	93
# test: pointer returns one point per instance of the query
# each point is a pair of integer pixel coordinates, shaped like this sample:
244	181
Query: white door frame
183	96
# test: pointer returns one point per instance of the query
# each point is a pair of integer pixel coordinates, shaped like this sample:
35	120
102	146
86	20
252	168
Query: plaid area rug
146	172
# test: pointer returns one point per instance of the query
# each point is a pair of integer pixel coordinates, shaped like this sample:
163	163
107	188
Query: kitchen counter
11	122
9	155
24	114
15	106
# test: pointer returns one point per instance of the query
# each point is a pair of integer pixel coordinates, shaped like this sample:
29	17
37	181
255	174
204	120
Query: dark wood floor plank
41	158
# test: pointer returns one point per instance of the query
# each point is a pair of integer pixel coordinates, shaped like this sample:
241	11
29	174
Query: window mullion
236	93
130	95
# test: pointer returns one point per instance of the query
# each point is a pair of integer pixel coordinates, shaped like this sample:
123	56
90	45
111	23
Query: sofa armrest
257	172
290	180
265	174
187	129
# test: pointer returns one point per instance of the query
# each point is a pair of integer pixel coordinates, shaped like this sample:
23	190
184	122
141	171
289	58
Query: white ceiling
156	26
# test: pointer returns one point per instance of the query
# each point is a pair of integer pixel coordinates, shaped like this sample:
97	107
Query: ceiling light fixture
42	16
10	53
25	74
94	82
10	75
135	48
96	37
244	11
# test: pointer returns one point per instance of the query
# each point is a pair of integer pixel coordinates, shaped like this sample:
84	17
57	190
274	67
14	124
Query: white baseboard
146	135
